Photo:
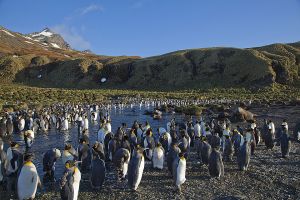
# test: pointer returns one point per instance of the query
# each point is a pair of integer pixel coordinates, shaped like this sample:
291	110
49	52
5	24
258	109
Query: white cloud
71	35
91	8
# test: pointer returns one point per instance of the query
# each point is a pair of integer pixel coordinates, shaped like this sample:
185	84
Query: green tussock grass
13	94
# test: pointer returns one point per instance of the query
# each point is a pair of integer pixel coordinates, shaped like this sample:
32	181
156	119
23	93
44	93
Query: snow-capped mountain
48	37
43	43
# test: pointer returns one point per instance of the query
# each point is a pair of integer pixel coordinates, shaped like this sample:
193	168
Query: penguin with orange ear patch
179	170
136	168
69	185
28	179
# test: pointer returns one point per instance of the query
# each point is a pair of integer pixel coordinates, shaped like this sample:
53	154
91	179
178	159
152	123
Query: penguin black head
158	144
69	164
181	155
14	144
28	157
203	138
68	146
149	132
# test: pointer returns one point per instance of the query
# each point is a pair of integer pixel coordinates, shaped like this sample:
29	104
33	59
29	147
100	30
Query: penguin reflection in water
69	185
28	179
179	169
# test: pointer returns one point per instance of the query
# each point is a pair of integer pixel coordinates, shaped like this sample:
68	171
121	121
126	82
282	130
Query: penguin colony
215	142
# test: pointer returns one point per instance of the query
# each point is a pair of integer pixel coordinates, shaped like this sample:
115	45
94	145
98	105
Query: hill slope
29	61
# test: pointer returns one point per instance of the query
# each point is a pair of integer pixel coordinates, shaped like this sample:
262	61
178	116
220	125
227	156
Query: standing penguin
97	172
228	149
243	157
3	162
238	141
84	155
28	179
184	143
179	169
86	123
113	145
249	137
136	168
158	157
49	160
215	164
149	144
98	148
269	138
285	144
9	126
21	124
121	160
65	124
173	153
15	158
69	153
205	151
28	138
3	131
69	185
166	140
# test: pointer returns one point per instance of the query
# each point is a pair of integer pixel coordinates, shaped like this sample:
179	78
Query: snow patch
55	45
67	56
8	33
28	38
44	33
29	42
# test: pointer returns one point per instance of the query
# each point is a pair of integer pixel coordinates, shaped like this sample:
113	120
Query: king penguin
173	153
70	181
179	169
215	164
3	162
49	160
28	179
158	157
121	160
243	157
285	144
97	172
205	151
136	168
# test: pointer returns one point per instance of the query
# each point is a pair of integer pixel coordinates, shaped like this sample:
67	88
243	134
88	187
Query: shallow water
54	139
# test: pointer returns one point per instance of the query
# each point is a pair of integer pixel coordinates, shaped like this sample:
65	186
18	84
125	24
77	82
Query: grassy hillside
30	63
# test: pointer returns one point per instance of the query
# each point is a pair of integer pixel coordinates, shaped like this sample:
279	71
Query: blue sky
153	27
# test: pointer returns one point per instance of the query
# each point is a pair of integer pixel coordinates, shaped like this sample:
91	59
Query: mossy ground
13	94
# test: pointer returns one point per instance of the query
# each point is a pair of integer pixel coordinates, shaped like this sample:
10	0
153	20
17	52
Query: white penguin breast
140	172
77	178
158	158
181	168
27	182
